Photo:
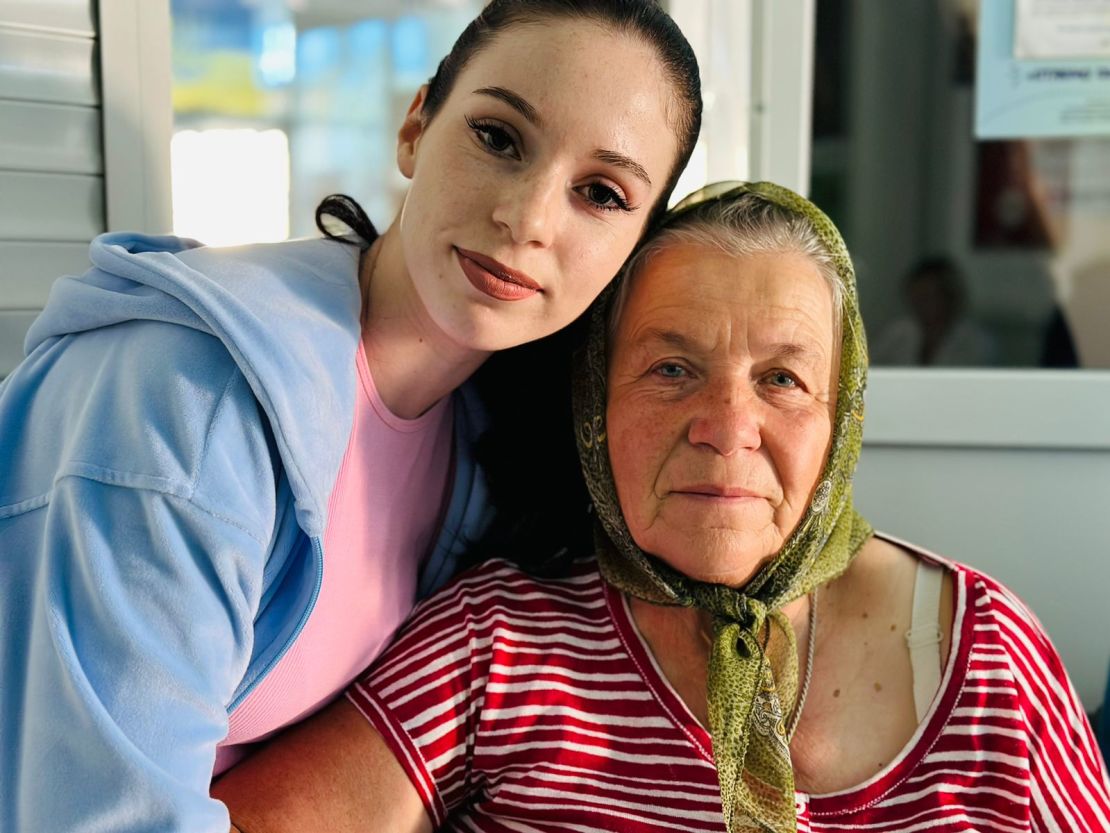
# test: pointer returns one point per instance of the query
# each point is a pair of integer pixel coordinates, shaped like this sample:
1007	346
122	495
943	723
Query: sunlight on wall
230	186
694	175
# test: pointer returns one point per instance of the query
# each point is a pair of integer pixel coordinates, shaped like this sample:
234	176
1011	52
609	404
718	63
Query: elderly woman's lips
711	492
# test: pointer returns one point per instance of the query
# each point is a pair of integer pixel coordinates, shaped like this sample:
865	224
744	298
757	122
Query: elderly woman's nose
528	209
726	420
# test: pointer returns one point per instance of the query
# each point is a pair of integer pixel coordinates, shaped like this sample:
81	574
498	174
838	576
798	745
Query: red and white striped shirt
520	705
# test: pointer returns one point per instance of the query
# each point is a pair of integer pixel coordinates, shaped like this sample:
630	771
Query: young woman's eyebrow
513	100
611	157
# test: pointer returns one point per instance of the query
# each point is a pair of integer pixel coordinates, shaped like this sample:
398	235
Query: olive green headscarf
746	698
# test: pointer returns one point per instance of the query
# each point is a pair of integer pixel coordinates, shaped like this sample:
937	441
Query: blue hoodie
170	444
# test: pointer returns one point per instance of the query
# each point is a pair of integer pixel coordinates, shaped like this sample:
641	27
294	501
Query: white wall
1008	472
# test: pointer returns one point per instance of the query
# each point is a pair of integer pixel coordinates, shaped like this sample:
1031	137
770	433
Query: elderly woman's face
721	398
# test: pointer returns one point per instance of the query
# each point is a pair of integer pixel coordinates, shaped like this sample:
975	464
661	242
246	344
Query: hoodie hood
287	313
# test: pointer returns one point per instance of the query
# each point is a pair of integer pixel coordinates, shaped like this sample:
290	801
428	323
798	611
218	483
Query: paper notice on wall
1023	97
1048	29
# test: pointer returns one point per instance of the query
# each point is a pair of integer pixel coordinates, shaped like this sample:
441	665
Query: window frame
135	68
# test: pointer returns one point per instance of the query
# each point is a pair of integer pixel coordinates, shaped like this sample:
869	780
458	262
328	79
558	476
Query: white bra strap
924	635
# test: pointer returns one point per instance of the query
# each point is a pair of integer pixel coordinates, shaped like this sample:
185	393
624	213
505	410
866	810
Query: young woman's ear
408	137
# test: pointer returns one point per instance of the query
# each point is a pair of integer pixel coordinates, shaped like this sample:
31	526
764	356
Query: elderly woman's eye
782	379
670	371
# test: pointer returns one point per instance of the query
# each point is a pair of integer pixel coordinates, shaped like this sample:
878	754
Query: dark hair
641	18
542	518
348	212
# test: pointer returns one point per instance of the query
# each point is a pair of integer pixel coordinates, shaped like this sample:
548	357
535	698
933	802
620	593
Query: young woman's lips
495	279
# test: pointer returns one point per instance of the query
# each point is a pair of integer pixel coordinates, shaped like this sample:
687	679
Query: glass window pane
278	103
969	253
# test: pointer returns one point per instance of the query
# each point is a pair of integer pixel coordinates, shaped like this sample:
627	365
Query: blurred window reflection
968	252
280	102
204	161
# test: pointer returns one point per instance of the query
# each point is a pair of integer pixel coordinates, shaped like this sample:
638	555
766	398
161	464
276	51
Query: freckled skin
544	197
528	208
740	396
848	724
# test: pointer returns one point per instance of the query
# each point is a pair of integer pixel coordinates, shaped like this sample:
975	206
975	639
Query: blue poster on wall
1043	70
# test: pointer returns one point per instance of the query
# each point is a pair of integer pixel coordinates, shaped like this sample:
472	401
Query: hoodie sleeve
128	598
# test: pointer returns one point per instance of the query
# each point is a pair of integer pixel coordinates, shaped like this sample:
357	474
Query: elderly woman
740	653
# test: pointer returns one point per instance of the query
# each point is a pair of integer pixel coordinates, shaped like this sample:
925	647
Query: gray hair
747	225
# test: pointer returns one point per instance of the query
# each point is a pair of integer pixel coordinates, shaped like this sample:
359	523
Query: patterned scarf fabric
749	703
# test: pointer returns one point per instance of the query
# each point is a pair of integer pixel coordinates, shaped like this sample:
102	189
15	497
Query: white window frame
137	108
782	91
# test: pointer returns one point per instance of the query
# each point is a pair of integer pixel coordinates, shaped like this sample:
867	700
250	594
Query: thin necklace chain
796	715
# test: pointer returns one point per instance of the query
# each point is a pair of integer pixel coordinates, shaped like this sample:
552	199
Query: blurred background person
937	330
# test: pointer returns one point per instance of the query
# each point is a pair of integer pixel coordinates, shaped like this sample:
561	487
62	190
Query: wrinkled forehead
698	281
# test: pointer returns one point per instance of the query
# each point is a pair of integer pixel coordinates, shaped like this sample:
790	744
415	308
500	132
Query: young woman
226	473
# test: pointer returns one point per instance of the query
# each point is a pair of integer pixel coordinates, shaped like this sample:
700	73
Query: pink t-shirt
382	518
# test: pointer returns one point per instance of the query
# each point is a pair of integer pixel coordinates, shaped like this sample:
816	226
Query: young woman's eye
604	197
496	138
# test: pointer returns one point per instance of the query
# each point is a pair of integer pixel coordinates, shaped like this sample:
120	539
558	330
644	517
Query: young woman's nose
726	419
528	210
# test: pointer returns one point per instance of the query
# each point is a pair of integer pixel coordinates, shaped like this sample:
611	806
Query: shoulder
983	595
498	589
881	576
898	342
1005	618
971	337
993	614
875	597
323	259
142	404
492	613
497	600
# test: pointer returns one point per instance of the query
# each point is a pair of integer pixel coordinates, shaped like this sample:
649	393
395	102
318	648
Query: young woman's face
533	181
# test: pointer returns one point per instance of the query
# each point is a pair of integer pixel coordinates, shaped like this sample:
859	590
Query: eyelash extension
620	203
